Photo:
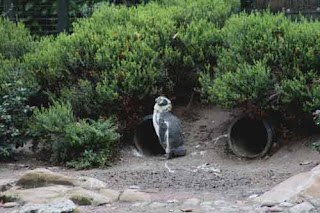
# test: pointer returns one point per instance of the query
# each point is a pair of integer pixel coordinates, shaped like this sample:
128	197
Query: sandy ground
209	171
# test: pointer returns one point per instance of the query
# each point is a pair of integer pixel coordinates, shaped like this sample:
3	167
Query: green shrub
81	144
16	86
15	39
246	83
285	82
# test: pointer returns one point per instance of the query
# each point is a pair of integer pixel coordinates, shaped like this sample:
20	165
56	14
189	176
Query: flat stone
90	183
302	208
191	202
110	193
82	196
36	195
132	195
10	205
55	206
275	209
303	186
43	177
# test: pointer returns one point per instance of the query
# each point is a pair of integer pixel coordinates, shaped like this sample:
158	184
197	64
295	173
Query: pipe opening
146	139
250	138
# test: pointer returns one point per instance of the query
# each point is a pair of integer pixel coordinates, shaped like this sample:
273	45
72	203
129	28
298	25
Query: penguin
168	128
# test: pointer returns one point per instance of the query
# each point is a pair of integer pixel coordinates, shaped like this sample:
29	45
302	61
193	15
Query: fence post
63	15
9	9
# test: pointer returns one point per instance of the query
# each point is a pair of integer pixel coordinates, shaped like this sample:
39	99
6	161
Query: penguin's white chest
155	120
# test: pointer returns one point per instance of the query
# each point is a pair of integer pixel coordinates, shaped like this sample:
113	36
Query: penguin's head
163	104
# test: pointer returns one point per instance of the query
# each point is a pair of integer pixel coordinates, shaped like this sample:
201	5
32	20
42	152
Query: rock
269	203
43	177
191	202
5	184
82	196
112	194
285	204
275	209
10	205
55	206
157	205
304	186
37	195
304	207
132	195
89	183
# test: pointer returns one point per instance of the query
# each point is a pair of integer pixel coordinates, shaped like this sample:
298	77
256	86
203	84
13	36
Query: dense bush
15	39
268	61
16	86
81	144
119	59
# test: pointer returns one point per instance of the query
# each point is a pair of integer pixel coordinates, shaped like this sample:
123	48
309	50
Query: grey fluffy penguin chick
168	128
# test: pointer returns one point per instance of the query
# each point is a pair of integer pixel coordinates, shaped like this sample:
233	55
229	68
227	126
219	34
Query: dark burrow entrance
145	138
249	137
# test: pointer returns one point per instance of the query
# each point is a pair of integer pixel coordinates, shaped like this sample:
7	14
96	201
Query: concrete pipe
249	137
145	138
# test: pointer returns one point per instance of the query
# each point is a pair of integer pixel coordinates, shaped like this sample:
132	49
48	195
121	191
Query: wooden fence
288	6
51	16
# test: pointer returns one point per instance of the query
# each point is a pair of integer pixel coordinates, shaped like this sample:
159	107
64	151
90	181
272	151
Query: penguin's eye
163	102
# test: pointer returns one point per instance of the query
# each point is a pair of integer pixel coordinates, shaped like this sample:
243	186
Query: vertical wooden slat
63	15
9	9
